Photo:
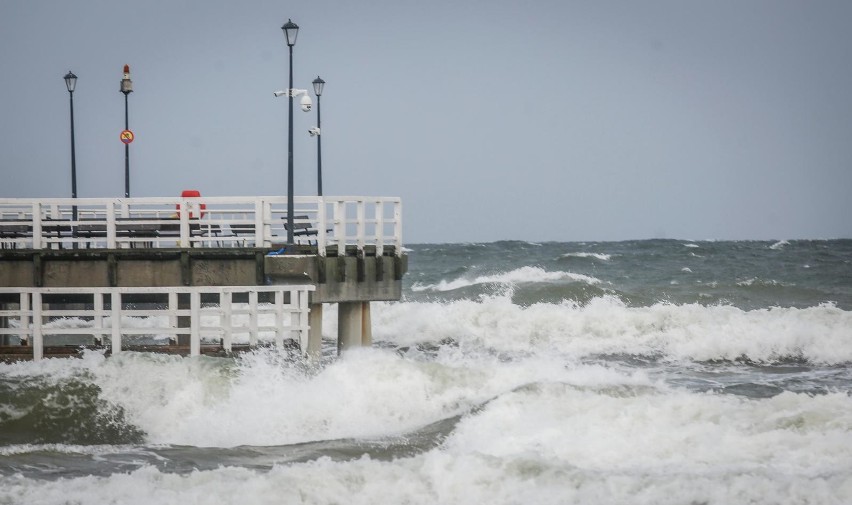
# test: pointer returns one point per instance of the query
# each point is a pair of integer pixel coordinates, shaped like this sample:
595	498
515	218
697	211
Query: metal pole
73	168
290	209
319	150
126	153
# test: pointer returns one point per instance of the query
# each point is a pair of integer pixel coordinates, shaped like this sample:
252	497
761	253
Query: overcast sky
545	120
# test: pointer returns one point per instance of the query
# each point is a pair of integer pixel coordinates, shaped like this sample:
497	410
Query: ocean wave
548	443
523	275
648	431
821	334
599	256
757	282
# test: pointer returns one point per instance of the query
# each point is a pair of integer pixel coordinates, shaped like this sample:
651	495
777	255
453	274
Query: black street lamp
318	85
71	83
291	30
126	88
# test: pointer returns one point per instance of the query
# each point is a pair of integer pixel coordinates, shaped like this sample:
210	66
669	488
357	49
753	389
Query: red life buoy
192	193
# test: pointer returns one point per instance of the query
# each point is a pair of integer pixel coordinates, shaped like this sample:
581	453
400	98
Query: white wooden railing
105	313
118	223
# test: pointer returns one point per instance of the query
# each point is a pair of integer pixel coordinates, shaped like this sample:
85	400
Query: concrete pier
350	254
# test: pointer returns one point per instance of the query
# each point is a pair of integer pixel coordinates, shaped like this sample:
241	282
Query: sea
639	372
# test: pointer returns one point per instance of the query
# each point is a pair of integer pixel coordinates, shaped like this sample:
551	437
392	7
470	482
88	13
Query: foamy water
524	275
533	430
631	395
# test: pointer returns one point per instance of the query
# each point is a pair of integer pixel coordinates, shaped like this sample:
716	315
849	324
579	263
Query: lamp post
126	88
318	85
291	30
71	83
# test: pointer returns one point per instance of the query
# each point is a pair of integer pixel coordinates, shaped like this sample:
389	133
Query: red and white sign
126	136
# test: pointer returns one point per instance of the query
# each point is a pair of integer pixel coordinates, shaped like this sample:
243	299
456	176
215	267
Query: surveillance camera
279	93
314	131
306	103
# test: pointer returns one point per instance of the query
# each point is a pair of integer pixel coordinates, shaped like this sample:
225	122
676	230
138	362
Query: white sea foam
433	478
523	275
600	256
546	443
655	430
779	245
754	281
365	394
93	450
536	427
607	325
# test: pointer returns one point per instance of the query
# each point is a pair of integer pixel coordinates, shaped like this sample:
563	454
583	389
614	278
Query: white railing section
119	223
111	313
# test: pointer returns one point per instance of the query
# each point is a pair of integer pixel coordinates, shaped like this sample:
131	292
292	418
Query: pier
199	271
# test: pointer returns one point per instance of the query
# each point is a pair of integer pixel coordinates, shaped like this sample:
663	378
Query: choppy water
664	372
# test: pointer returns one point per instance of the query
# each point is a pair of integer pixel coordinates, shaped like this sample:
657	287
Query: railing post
173	307
397	227
298	318
380	228
98	319
26	317
260	206
110	226
194	325
267	224
253	317
340	225
184	223
360	214
279	319
115	321
38	337
225	300
37	230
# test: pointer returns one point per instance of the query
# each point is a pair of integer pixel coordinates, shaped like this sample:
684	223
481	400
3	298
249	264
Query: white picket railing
112	313
118	223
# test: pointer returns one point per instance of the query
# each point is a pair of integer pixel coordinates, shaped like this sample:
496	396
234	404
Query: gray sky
546	120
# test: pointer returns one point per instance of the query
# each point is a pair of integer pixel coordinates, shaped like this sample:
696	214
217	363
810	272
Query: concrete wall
342	278
337	278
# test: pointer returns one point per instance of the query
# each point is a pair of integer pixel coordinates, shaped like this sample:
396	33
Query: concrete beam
342	278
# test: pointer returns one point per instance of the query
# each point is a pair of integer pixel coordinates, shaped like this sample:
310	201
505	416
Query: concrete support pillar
366	325
349	325
314	350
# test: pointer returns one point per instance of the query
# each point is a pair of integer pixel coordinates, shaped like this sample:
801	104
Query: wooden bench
10	232
301	228
124	228
196	229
